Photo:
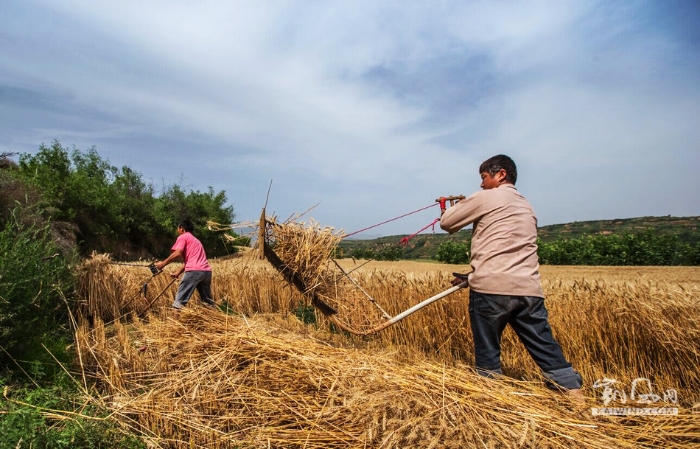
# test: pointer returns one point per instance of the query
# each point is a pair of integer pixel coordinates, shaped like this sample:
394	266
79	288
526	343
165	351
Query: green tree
453	253
174	204
50	171
363	252
137	222
93	202
389	252
114	210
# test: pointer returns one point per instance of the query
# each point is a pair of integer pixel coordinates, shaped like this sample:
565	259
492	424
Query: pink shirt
192	252
504	241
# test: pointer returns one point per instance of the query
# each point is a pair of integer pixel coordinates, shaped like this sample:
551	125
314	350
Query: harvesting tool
144	289
444	199
352	308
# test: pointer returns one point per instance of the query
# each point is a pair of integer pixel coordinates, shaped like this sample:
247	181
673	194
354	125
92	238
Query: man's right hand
460	278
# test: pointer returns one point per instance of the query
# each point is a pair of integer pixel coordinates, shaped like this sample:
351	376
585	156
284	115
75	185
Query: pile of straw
207	379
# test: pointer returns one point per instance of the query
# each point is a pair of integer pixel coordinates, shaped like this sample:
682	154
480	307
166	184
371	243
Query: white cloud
372	108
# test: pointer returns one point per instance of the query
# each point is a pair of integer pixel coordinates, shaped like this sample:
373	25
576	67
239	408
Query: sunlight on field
689	275
259	369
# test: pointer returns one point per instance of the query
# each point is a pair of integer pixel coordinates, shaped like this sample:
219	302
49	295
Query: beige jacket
504	241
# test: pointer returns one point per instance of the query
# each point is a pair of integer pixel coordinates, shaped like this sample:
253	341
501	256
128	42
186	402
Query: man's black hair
186	225
499	162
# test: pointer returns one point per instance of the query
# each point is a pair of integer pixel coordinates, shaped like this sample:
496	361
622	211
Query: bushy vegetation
50	416
386	252
35	284
113	209
643	248
453	252
40	406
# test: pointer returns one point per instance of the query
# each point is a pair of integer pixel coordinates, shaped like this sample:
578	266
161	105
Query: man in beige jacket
505	282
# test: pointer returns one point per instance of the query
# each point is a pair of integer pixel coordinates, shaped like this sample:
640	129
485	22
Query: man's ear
501	176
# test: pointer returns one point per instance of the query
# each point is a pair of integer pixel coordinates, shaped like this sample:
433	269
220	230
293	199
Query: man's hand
460	278
174	255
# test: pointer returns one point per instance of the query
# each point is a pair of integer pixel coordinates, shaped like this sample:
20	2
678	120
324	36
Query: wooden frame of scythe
294	279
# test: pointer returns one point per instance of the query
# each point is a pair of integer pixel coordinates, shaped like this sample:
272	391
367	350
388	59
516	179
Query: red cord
401	216
404	241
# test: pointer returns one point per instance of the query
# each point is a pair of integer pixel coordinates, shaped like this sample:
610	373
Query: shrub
453	253
34	280
33	417
389	252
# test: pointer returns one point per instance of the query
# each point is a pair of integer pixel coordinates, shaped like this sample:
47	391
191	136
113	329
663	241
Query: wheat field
256	376
305	351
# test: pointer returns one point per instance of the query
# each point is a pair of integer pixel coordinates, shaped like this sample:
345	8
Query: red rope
392	219
404	241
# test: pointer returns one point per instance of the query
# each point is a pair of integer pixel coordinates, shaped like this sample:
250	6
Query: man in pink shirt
505	282
196	267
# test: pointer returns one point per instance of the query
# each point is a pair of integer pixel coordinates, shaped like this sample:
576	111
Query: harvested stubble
212	380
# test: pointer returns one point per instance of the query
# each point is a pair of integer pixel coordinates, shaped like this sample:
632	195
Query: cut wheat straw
260	378
212	380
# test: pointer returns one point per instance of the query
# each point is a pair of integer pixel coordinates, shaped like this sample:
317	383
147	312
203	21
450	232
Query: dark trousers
199	280
527	315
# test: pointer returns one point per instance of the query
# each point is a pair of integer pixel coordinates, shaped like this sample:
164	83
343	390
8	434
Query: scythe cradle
294	279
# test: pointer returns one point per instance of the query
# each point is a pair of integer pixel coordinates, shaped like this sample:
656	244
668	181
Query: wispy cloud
372	109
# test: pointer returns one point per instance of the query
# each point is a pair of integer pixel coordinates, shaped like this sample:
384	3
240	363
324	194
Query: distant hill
424	246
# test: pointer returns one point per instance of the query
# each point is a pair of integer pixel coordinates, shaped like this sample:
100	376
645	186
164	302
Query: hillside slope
424	246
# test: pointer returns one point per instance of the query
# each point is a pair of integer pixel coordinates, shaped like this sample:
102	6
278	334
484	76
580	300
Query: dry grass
208	379
259	378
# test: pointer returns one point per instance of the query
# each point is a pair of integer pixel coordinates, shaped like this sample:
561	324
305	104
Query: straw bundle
211	380
308	252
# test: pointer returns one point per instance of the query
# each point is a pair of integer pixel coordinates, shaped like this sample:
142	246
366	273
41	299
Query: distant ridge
684	227
424	246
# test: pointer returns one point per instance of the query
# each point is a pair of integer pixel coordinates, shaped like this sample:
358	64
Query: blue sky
368	110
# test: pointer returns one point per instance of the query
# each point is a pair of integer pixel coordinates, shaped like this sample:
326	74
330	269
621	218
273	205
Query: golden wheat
259	377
